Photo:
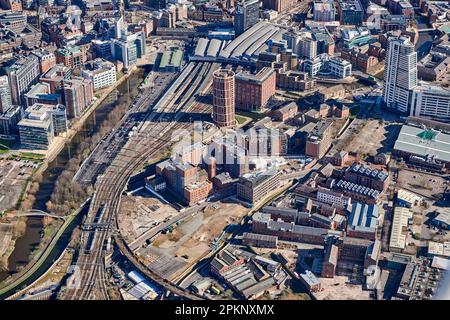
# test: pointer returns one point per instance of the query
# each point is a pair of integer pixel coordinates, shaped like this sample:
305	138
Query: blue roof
363	217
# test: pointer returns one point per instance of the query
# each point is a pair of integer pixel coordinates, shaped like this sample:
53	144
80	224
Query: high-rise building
41	123
156	4
47	59
9	120
13	5
101	72
302	44
78	94
246	15
400	73
224	97
5	94
128	49
22	75
71	56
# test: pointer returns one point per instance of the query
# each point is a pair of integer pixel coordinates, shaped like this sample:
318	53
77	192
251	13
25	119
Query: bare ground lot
191	240
13	176
139	213
421	183
193	237
368	138
338	289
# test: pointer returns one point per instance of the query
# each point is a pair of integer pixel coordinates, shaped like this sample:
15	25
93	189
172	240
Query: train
99	213
90	242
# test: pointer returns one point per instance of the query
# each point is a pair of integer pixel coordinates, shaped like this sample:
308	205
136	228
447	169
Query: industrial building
398	237
363	221
427	144
171	60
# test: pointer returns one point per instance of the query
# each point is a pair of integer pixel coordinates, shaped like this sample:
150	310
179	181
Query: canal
116	103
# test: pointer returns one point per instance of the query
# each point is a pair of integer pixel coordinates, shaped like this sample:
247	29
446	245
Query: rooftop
424	143
400	220
363	217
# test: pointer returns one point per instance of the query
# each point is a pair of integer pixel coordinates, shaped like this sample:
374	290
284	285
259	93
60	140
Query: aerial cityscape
224	150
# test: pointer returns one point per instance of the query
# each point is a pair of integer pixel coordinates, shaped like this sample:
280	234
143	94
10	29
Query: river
97	120
425	40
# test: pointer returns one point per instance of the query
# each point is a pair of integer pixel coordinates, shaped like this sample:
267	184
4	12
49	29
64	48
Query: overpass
39	213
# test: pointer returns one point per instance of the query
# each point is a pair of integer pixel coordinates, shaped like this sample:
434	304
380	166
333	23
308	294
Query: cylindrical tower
223	98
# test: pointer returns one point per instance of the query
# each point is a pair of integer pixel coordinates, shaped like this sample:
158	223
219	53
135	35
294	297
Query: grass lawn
3	149
253	115
241	119
31	156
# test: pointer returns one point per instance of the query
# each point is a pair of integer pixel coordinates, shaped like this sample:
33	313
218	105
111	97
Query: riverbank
19	279
57	147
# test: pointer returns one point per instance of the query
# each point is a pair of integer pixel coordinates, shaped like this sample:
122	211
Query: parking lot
13	176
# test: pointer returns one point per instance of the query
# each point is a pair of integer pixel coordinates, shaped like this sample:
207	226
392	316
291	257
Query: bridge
39	213
426	30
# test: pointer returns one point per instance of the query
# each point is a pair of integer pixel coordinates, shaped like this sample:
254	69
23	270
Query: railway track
152	136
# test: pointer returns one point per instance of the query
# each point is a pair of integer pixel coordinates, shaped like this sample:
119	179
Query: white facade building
400	73
333	198
302	44
5	94
430	101
102	73
339	67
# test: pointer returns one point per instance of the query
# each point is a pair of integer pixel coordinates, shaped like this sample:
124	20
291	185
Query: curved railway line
153	134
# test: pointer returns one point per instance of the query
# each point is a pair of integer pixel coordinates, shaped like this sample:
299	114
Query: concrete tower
400	74
223	98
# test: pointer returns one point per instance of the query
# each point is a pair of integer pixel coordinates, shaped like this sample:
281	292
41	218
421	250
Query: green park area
3	149
242	119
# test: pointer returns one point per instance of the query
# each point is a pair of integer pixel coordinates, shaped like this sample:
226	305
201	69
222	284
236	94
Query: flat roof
423	142
400	220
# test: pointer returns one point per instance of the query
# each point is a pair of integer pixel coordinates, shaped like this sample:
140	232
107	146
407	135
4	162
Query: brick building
365	176
278	5
254	91
319	140
47	59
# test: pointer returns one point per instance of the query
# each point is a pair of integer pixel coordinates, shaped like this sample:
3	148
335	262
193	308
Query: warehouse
429	144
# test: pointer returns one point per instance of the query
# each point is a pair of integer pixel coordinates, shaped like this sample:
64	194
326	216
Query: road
152	135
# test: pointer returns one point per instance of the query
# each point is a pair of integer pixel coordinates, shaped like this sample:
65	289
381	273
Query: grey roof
258	287
201	47
256	236
213	48
366	171
409	141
